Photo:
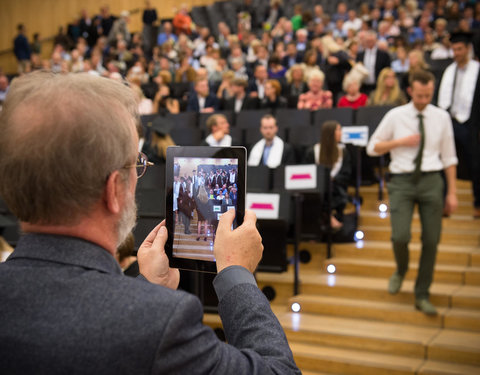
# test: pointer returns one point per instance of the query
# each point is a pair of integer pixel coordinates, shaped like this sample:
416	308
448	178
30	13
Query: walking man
419	137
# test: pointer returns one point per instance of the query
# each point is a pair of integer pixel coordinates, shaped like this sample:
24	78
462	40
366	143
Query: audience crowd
309	61
352	57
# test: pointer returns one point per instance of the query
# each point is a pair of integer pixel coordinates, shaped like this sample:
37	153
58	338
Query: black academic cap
461	37
162	125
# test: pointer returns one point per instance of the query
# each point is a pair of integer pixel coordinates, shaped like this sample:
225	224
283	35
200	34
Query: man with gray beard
69	167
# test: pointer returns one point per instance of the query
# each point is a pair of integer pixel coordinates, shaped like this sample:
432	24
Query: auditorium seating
300	128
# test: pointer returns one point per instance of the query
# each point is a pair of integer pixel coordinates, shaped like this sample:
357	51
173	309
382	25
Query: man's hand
153	262
218	135
410	141
451	203
333	60
240	247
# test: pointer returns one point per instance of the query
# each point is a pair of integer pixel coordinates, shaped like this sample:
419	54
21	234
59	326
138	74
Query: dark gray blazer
66	308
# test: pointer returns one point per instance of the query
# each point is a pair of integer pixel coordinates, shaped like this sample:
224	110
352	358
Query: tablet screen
203	189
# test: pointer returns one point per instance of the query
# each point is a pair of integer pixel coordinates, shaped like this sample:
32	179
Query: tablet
202	183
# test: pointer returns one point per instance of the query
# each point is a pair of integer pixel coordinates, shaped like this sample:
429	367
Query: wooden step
455	221
384	269
455	346
445	368
379	337
467	297
476	258
465	207
447	254
368	310
368	288
449	236
472	276
462	319
343	361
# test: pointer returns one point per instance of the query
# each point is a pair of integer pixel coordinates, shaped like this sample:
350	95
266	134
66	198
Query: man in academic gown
271	150
459	94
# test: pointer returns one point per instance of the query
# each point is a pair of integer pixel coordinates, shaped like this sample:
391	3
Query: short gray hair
62	136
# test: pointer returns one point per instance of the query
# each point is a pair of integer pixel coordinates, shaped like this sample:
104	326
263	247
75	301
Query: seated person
156	149
275	69
296	84
388	90
271	150
292	56
332	154
185	72
240	100
219	130
316	98
126	257
256	87
273	99
163	103
353	97
202	100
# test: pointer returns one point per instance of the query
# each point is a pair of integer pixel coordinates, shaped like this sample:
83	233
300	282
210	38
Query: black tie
418	159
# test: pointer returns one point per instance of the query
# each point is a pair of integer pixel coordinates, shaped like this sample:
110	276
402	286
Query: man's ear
409	91
113	192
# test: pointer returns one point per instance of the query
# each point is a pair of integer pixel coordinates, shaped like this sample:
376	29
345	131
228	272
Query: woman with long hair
333	155
201	203
388	90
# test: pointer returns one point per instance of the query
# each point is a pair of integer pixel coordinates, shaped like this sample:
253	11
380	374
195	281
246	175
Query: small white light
382	215
296	307
359	235
331	279
360	244
296	321
383	207
331	268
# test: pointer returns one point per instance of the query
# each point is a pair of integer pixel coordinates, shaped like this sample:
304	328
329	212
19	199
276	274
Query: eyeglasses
141	164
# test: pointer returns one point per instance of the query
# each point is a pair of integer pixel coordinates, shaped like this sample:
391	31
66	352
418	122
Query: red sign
306	176
261	206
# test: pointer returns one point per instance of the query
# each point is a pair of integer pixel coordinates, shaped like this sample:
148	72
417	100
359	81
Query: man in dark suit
374	60
240	101
256	87
66	307
292	56
202	100
21	48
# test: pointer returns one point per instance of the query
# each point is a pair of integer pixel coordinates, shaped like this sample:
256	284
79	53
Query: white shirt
439	150
201	102
238	105
369	60
457	104
261	89
226	141
355	24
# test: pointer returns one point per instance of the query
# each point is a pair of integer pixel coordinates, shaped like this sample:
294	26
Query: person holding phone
64	294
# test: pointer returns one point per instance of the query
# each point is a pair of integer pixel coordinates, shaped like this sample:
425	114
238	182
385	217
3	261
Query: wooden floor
350	324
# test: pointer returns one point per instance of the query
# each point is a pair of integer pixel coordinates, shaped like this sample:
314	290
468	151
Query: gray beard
127	220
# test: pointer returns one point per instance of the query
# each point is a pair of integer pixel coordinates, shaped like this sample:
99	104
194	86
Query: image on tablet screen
203	189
